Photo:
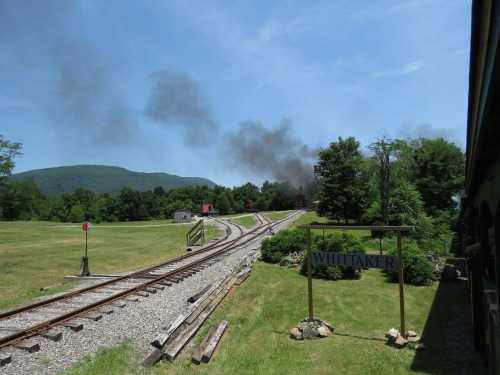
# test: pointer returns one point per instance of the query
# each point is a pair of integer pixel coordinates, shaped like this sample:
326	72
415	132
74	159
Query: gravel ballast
138	322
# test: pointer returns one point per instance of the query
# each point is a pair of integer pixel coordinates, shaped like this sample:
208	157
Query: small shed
182	216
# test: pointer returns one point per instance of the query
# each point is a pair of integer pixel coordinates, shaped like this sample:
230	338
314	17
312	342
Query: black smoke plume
83	100
275	153
176	101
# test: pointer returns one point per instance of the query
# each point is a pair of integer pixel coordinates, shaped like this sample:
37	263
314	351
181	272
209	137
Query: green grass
110	361
246	221
263	310
38	254
276	215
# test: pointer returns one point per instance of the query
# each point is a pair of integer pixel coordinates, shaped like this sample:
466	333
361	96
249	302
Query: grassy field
362	311
276	215
246	221
38	254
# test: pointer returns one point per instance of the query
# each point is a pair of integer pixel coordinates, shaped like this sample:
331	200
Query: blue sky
77	77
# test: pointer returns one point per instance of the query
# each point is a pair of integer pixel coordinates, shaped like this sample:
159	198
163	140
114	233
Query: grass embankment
276	215
246	221
38	254
262	311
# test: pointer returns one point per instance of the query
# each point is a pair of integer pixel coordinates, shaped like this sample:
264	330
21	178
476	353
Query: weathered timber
166	283
74	326
5	359
106	310
198	352
183	337
142	294
159	287
161	339
28	345
150	290
214	340
196	296
152	357
93	316
131	299
120	304
52	335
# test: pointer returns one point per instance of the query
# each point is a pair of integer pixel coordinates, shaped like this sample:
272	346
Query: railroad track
40	319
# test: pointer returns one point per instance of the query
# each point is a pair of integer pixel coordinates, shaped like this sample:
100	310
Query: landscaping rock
420	347
392	335
400	342
413	339
324	331
292	259
296	334
311	330
412	334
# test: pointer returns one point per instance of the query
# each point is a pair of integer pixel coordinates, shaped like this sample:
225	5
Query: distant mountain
103	179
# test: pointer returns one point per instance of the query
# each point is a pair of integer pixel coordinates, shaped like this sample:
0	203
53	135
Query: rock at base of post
307	330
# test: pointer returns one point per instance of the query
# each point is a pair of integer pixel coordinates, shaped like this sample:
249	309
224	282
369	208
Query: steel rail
135	274
46	325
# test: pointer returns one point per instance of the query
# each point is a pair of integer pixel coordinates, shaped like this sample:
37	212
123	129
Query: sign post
401	286
85	259
358	260
309	275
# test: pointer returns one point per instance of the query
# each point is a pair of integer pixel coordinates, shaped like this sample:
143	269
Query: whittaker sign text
356	260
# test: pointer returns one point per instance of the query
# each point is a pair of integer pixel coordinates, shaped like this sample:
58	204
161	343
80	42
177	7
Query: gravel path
138	322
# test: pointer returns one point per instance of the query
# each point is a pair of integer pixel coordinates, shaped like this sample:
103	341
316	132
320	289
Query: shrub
418	269
283	243
335	242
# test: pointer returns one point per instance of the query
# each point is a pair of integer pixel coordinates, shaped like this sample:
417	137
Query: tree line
24	201
410	181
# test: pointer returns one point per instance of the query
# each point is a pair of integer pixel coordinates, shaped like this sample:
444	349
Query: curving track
39	318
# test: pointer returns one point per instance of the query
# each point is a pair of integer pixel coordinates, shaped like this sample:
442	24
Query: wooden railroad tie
120	304
5	359
28	345
93	316
74	326
106	310
213	340
52	335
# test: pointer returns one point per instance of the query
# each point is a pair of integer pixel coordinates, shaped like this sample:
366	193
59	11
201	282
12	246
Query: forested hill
103	179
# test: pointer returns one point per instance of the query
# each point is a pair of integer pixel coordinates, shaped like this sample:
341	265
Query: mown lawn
38	254
276	215
246	221
262	311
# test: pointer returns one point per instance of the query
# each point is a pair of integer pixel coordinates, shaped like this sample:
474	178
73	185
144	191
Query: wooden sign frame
399	229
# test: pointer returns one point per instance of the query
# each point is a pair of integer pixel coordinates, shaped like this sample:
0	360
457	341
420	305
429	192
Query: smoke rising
176	101
76	85
86	99
276	153
82	102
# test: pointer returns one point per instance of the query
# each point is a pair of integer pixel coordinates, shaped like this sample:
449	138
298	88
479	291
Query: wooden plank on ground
198	352
214	340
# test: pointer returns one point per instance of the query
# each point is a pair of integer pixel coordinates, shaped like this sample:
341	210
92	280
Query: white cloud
406	69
